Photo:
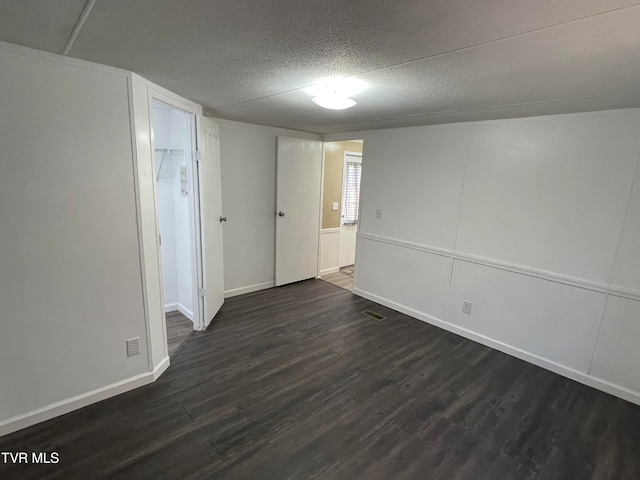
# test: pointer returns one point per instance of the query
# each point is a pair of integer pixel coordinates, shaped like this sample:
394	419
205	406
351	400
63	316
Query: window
351	193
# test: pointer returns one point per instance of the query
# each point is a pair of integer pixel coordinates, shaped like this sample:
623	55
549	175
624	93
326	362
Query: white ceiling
425	61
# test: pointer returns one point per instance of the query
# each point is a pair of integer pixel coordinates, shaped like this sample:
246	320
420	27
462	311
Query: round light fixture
334	102
334	93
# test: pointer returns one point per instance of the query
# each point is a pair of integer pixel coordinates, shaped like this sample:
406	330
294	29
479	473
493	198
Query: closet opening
173	145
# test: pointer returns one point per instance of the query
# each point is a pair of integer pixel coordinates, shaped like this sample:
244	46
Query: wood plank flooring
342	279
179	327
296	383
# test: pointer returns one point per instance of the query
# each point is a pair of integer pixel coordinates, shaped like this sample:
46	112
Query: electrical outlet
133	346
378	214
466	307
334	206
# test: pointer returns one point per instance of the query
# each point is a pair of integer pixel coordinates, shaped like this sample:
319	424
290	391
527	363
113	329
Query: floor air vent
374	315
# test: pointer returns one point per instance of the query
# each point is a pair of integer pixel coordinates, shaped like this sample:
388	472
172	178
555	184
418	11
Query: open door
299	178
210	188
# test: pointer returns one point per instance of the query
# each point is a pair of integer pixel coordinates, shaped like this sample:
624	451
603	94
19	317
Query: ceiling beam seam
441	54
78	26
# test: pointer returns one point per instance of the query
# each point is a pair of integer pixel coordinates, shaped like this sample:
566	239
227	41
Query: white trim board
488	262
170	307
578	376
234	292
185	311
79	401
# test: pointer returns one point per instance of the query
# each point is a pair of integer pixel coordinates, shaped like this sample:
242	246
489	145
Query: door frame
141	94
344	166
195	220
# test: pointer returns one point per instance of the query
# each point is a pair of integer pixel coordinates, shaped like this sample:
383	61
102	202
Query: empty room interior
320	240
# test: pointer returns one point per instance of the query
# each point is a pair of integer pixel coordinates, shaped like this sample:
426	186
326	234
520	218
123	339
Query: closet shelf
168	162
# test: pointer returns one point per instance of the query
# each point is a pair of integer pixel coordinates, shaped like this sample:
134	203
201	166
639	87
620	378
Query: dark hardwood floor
296	383
342	279
179	327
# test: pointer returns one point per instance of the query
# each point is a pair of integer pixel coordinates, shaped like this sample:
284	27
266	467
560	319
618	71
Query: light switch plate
335	206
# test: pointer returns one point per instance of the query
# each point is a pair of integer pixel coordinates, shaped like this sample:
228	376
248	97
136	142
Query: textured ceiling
425	61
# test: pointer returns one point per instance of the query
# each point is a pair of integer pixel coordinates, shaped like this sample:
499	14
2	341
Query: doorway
172	146
340	211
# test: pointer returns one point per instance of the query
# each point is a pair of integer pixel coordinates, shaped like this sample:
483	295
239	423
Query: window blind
352	193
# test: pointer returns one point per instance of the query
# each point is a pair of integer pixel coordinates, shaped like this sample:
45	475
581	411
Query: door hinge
160	239
197	156
202	292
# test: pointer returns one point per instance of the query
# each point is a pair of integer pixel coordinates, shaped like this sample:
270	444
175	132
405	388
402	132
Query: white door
299	177
210	188
350	207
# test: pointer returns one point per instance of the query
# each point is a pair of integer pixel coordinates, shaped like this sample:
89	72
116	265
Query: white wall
184	244
533	220
166	222
248	163
70	273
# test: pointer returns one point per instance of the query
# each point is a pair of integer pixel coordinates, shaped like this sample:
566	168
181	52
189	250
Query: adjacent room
176	214
342	173
298	240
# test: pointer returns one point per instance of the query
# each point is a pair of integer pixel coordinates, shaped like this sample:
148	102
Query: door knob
281	214
223	219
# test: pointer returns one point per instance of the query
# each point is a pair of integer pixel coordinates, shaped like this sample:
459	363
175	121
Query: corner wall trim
170	307
578	376
74	403
161	367
234	292
185	311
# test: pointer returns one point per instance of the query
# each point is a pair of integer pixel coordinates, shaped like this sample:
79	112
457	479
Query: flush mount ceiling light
334	93
334	102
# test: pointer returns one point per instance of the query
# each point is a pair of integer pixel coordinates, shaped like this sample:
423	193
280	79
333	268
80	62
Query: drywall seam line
78	26
626	212
455	238
448	52
464	177
139	228
595	343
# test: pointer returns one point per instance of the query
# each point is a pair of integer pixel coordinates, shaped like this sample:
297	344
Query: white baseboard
581	377
249	289
161	367
74	403
329	271
185	311
170	307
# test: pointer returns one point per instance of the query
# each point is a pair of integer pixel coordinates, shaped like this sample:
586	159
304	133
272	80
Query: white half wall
248	163
534	221
329	250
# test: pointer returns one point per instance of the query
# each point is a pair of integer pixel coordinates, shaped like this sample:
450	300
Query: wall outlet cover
466	307
335	206
133	346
